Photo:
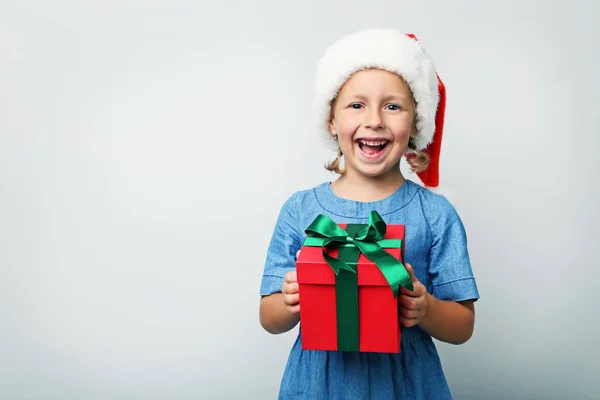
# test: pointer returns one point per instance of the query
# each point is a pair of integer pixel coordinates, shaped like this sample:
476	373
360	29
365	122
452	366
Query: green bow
369	240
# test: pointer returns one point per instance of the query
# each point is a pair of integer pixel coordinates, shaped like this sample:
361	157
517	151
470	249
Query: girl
379	98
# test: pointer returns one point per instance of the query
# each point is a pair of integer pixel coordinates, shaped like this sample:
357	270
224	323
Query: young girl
379	98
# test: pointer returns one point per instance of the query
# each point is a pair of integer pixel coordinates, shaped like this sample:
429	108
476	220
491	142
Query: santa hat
395	52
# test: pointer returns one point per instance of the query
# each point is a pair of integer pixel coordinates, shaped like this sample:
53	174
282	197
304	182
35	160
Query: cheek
402	129
347	126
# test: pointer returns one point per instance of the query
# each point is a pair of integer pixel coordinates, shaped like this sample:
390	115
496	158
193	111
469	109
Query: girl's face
373	120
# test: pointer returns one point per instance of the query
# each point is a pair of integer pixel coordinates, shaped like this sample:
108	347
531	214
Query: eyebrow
396	97
386	98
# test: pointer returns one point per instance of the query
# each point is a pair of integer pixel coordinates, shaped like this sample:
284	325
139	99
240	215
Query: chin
377	171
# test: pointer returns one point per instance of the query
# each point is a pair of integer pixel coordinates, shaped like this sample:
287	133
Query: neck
356	187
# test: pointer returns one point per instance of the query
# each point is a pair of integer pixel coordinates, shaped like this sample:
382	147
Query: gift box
349	277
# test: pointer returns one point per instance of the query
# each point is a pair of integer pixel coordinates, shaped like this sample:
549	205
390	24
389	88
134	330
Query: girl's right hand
290	290
291	297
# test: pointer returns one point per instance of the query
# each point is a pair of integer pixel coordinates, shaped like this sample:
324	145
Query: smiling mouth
372	147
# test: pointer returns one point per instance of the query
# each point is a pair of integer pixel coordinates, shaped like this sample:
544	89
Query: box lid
313	269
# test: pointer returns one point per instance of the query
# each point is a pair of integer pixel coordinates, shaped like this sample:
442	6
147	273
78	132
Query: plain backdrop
146	148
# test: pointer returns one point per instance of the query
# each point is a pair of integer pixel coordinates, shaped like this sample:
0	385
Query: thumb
411	272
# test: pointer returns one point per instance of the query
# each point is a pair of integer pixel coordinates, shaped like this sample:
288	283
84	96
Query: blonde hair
334	166
417	160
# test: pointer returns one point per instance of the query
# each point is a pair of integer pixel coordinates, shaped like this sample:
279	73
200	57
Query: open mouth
372	148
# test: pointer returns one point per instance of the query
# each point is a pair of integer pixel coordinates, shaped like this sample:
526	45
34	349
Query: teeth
372	143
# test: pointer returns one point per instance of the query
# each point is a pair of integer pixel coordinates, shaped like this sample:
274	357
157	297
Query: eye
393	107
356	106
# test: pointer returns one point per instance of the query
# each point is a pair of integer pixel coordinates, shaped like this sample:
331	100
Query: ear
332	128
413	128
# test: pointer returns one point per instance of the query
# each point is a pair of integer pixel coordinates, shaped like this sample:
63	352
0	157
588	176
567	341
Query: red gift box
350	311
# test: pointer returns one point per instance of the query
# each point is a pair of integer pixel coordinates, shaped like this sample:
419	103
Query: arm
449	310
275	316
280	312
449	321
278	309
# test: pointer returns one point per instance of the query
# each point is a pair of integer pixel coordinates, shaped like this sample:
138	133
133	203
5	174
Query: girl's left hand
413	305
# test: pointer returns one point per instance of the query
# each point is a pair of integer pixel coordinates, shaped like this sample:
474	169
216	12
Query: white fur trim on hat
385	49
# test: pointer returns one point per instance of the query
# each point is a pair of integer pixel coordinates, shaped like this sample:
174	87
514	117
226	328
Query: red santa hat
399	53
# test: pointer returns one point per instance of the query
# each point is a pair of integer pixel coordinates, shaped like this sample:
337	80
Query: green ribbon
369	241
356	239
346	298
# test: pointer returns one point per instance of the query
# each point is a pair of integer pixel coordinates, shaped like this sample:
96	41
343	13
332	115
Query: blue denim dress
436	247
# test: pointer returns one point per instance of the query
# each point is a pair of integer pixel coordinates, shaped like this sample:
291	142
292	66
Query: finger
407	322
415	293
408	301
297	254
418	290
291	288
410	314
290	277
294	309
291	299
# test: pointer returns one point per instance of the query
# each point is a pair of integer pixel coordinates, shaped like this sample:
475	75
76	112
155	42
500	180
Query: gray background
146	147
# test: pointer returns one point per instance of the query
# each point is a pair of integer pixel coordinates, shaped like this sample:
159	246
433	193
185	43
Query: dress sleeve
450	266
281	253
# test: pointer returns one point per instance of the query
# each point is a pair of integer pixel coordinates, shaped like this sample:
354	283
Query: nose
374	119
